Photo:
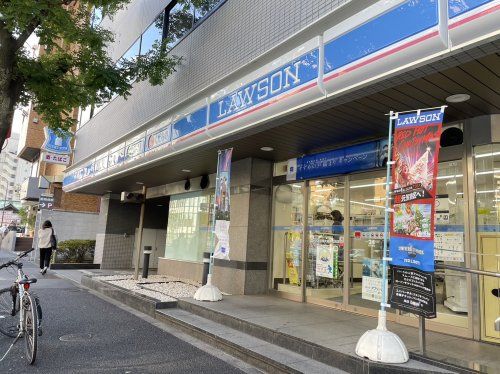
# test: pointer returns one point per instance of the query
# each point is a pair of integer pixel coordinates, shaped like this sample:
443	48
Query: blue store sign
342	161
285	78
55	143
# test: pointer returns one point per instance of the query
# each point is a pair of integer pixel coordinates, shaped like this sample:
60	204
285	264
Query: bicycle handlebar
14	261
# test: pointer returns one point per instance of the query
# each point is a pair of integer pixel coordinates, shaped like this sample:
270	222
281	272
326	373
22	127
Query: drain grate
75	337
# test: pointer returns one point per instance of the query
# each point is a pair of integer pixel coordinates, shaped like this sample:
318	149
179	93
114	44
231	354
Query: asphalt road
82	333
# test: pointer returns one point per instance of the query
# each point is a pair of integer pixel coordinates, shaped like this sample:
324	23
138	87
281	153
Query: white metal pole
383	302
139	239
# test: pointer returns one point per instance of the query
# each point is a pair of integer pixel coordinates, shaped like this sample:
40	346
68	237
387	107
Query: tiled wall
238	32
117	251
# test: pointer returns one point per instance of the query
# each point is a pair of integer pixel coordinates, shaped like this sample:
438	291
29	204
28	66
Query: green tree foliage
26	218
74	70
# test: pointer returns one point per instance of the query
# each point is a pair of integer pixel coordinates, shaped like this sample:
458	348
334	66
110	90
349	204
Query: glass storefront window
287	233
189	225
487	181
325	258
366	224
449	249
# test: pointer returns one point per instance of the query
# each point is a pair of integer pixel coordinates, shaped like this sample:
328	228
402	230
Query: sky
17	122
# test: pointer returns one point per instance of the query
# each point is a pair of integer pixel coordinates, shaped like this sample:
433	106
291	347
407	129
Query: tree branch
30	29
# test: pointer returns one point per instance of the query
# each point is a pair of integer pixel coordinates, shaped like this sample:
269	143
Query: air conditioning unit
132	197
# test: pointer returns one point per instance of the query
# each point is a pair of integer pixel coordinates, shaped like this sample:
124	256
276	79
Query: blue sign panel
190	123
341	161
55	143
410	18
458	7
287	77
412	253
418	119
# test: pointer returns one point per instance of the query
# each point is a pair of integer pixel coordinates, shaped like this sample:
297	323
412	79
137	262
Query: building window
189	225
152	35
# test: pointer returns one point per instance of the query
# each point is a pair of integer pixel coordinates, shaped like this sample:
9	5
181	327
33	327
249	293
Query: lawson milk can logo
54	143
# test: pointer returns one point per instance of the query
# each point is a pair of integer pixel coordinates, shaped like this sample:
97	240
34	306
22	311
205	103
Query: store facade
323	89
340	219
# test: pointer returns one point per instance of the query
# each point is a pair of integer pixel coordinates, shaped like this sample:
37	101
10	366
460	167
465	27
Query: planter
70	266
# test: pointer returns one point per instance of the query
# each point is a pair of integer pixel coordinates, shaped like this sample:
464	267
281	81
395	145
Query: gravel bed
160	287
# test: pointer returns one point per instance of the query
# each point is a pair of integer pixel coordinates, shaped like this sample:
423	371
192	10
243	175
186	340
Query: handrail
465	270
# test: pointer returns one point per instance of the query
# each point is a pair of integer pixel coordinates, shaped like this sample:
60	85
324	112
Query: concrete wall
71	225
234	35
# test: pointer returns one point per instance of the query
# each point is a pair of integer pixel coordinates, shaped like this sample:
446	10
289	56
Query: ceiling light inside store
458	98
186	171
141	183
267	149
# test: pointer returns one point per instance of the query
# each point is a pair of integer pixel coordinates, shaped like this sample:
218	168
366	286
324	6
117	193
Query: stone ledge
134	300
72	266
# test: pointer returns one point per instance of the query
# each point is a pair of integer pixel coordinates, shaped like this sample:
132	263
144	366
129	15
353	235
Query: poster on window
371	281
327	259
415	156
222	204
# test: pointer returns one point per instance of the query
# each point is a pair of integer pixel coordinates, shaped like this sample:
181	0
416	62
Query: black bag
53	240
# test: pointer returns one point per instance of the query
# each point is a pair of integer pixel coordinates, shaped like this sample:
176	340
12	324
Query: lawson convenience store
319	99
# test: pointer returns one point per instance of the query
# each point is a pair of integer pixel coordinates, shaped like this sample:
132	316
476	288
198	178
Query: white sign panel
53	158
449	246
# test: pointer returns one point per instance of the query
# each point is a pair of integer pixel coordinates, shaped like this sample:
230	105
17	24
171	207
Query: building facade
280	81
13	171
74	216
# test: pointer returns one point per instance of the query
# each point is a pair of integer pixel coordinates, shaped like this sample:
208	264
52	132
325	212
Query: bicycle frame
22	289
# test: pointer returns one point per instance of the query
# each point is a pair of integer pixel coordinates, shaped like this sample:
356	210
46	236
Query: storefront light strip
450	176
368	185
490	154
370	205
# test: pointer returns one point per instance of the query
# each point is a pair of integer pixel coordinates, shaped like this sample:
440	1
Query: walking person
46	242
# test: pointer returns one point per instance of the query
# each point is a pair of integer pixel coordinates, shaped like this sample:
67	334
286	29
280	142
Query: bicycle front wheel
9	306
30	327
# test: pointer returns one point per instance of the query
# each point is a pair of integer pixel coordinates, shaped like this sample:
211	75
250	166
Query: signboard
53	158
54	143
222	204
415	156
46	202
340	161
413	291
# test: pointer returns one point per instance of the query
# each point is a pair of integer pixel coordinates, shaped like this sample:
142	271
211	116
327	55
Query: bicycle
18	299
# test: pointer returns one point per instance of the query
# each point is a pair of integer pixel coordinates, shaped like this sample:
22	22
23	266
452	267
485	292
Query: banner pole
212	239
383	302
380	344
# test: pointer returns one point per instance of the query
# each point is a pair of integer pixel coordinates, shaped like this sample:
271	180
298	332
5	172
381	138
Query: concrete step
330	357
260	353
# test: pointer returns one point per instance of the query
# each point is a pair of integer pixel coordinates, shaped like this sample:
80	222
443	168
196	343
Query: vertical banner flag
415	157
222	204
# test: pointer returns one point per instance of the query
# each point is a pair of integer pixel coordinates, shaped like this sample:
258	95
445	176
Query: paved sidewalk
340	331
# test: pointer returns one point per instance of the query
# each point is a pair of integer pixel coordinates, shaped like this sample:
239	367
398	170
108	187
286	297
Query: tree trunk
9	92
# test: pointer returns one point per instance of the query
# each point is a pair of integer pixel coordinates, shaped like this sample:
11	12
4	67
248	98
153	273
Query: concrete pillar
246	272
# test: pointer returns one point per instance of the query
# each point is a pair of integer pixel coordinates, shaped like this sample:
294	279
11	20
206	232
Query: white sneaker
41	271
44	270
